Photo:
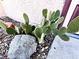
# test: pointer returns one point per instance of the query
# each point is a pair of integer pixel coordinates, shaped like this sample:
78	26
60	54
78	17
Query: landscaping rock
22	47
64	49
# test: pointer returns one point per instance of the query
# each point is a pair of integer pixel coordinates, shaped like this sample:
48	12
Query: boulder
64	49
22	47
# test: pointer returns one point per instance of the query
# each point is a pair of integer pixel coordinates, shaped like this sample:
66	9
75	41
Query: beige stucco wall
15	8
2	12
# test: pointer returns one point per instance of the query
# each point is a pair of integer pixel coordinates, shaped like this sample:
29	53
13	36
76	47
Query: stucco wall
2	12
15	8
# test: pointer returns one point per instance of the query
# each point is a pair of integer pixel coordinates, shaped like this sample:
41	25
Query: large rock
64	49
22	47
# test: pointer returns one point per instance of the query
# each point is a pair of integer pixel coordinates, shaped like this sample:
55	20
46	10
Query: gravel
5	40
43	49
41	52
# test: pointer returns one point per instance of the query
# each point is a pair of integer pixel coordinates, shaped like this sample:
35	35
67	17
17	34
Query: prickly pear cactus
73	25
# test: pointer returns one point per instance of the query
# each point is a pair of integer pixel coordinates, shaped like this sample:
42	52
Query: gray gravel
5	40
